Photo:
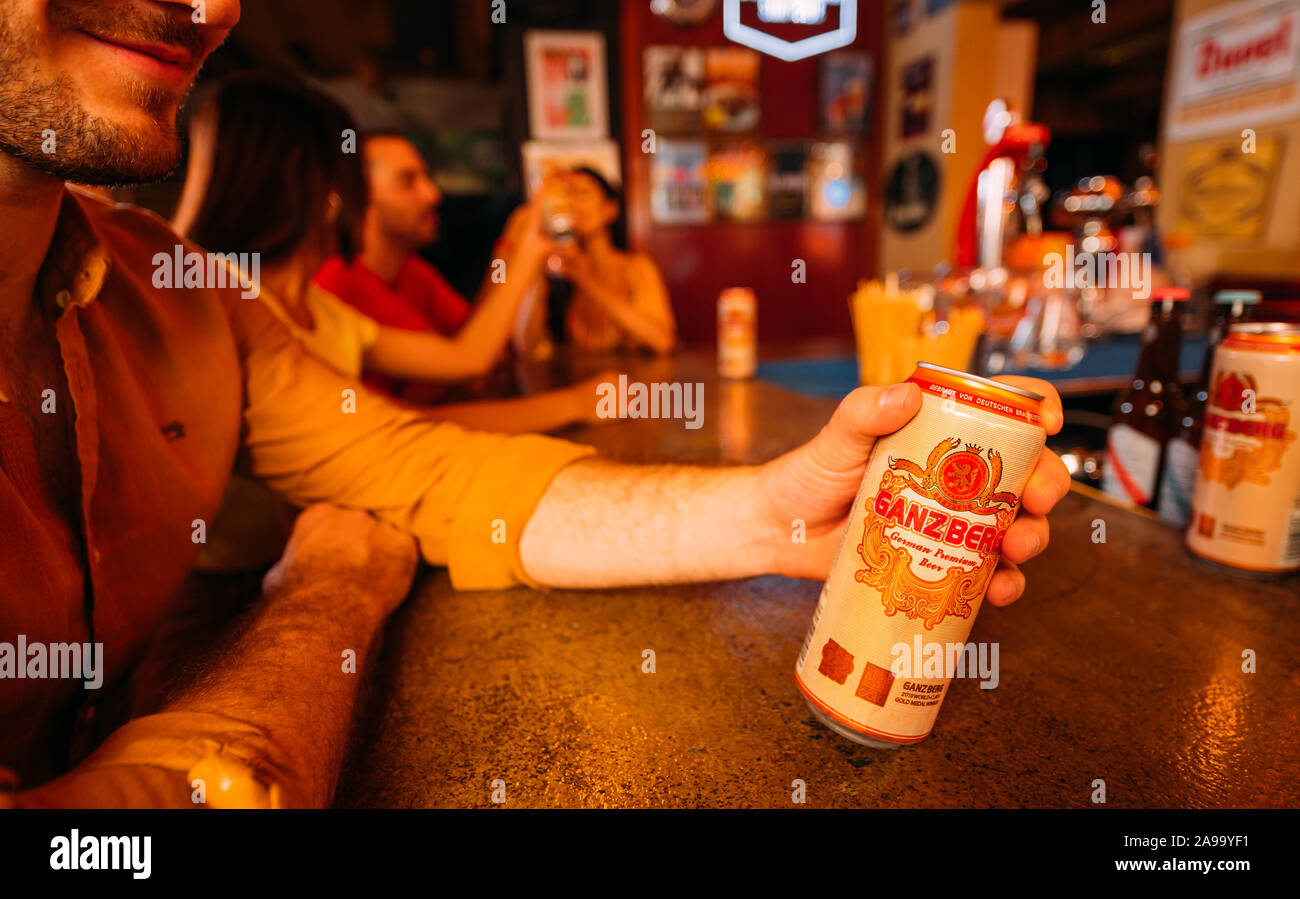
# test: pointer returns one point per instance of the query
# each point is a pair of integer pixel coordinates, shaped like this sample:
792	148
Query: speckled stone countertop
1123	662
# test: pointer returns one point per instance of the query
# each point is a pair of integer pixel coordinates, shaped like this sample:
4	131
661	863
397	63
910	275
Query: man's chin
106	153
108	169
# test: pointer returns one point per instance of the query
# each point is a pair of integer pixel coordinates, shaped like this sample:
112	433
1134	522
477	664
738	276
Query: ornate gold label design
1241	446
956	478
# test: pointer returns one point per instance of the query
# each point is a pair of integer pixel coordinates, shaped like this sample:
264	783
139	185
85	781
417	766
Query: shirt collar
77	263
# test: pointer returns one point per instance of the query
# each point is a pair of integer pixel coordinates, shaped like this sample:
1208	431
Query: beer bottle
1188	412
1135	443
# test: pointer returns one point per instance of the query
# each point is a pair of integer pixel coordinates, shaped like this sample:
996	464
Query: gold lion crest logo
958	477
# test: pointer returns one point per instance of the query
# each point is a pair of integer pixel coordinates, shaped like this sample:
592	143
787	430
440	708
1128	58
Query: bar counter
1122	662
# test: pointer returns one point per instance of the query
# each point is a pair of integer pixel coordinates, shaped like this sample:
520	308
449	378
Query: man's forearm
497	303
603	524
283	670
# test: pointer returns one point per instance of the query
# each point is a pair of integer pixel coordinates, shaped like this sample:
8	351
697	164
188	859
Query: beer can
923	540
737	333
1246	505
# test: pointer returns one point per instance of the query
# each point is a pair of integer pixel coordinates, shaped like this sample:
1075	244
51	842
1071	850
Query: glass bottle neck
1158	360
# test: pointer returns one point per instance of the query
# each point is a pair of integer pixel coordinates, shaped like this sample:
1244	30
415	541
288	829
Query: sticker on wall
911	192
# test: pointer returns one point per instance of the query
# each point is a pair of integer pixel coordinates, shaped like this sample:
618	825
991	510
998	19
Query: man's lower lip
150	65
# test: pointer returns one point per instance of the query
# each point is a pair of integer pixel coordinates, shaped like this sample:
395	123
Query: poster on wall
918	98
731	99
674	87
1235	66
1225	193
542	158
846	91
836	190
787	179
737	181
678	187
567	95
684	12
911	192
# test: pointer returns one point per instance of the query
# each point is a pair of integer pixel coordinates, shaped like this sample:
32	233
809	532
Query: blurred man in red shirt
388	280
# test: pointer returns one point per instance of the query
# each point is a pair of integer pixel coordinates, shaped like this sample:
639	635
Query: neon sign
798	12
791	12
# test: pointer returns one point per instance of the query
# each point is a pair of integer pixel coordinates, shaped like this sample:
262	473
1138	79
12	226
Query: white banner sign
1236	67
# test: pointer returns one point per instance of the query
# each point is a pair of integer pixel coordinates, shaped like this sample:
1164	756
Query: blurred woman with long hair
276	170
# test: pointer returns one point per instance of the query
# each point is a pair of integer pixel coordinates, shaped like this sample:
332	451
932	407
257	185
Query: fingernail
1035	543
894	398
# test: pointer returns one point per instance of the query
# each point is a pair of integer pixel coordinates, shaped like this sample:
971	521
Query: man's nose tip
219	14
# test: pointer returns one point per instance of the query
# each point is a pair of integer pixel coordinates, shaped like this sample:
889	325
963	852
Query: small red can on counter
737	333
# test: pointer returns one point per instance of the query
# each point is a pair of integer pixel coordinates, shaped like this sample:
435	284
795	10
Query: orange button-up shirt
170	390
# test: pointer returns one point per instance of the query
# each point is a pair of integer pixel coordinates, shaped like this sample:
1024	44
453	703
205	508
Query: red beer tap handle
1016	142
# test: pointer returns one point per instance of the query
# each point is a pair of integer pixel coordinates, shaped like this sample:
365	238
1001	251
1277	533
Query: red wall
698	261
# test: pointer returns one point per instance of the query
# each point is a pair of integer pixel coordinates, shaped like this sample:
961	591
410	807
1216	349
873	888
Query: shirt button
63	298
94	554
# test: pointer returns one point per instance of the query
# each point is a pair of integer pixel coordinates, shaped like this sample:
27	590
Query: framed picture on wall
787	179
541	158
846	91
737	176
567	94
674	87
731	97
679	189
836	188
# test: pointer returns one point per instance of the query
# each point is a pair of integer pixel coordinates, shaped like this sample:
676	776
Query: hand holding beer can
924	538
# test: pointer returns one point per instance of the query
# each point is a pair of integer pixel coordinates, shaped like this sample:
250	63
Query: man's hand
347	551
817	483
524	239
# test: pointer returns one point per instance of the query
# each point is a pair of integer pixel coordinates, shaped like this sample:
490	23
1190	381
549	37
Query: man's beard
40	110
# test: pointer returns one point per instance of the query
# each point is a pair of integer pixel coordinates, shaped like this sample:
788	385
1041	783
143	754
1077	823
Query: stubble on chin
44	122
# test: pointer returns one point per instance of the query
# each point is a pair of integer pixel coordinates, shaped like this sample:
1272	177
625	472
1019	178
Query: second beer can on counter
1246	505
924	536
737	333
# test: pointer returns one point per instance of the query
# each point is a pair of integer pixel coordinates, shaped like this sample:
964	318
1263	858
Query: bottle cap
1247	297
1176	294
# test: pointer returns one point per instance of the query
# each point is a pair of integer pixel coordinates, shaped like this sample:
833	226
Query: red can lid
1177	294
